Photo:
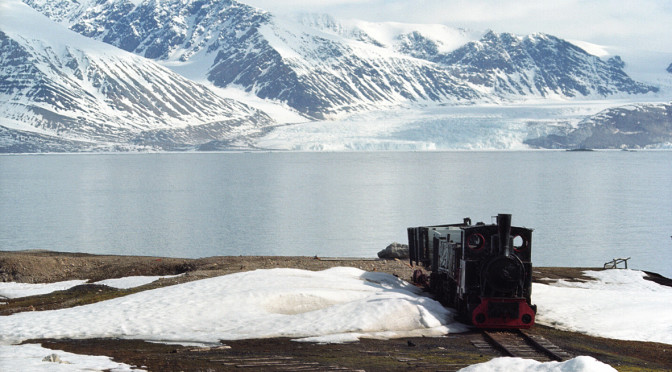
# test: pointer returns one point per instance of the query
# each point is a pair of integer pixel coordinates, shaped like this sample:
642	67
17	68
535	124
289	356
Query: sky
632	24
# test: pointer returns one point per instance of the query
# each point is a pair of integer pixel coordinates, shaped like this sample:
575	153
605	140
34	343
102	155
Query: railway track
518	343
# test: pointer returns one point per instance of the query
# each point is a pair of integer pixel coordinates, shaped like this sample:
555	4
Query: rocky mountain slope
60	91
324	68
631	126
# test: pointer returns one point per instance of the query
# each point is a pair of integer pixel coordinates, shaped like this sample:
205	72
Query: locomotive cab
484	271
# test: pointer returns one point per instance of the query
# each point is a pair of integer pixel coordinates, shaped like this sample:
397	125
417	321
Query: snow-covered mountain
147	74
538	65
63	92
324	68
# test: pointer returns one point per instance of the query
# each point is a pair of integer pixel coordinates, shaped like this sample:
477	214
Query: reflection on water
586	208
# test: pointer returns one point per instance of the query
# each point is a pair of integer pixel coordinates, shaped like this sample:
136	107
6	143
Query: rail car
482	270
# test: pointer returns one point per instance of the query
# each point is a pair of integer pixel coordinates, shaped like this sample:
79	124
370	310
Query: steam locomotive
483	271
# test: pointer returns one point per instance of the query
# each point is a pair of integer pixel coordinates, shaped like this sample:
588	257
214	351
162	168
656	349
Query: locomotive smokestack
504	231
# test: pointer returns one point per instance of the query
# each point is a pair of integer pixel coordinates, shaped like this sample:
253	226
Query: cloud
641	24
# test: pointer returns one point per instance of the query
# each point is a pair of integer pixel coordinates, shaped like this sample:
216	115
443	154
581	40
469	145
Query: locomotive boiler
483	271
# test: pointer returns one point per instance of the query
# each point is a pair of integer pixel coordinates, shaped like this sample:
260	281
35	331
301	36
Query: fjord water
586	207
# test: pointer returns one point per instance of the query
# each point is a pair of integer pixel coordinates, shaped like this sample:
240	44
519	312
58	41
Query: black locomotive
483	271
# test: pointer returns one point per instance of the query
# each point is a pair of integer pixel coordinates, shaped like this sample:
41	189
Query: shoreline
43	266
40	266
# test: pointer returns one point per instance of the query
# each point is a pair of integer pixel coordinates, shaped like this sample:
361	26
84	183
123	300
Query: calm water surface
586	207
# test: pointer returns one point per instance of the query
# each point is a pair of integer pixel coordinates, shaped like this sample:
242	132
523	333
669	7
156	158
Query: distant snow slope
56	83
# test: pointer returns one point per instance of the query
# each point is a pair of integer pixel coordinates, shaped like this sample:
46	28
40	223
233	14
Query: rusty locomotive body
483	271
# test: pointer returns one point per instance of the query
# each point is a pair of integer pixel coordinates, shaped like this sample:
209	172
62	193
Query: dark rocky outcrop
394	250
632	126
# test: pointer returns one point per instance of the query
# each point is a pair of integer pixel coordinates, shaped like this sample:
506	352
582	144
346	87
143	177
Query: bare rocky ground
448	353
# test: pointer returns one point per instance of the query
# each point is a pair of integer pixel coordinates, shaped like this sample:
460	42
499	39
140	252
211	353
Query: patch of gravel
49	267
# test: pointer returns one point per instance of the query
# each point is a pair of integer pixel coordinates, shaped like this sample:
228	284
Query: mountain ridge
539	64
325	69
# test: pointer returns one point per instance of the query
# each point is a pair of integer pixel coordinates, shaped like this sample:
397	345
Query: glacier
437	128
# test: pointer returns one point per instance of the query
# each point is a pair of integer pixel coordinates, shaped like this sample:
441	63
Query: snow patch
31	357
594	49
619	304
16	290
578	364
446	38
328	306
132	281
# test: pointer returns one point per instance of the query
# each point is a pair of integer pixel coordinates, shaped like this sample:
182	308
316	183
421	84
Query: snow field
619	304
334	305
257	304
